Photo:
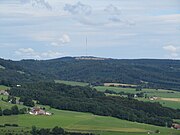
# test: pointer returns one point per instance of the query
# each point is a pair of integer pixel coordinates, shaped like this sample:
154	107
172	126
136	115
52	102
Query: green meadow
149	92
84	122
6	105
2	87
2	67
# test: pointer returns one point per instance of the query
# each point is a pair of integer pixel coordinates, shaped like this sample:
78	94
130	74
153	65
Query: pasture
84	122
177	120
167	98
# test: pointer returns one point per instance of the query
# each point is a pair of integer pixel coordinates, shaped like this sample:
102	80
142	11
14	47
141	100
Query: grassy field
177	120
166	97
86	122
72	83
149	92
1	67
6	105
2	87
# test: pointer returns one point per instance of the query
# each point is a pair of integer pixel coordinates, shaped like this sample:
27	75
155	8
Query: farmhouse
176	126
3	92
153	98
120	85
38	111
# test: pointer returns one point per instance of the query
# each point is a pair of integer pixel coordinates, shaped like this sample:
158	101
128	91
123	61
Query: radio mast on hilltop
86	46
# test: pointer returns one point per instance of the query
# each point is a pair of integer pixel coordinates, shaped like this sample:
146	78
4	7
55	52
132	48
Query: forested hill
152	72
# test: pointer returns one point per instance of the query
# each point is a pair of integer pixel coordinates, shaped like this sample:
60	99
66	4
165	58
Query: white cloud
64	39
173	50
31	53
78	9
50	37
170	48
27	51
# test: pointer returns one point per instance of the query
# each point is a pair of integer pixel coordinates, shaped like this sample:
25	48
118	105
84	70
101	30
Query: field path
171	99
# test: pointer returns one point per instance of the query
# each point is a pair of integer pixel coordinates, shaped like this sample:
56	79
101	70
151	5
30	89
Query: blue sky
46	29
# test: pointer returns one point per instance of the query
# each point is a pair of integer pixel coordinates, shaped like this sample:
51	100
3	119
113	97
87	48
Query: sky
123	29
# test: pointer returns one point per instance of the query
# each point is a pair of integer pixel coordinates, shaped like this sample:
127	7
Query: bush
7	112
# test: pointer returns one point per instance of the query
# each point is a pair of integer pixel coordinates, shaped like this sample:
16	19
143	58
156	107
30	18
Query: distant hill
154	73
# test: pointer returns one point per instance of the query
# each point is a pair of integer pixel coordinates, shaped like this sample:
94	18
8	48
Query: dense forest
147	72
86	99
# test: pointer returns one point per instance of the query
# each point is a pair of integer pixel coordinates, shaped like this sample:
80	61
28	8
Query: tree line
54	131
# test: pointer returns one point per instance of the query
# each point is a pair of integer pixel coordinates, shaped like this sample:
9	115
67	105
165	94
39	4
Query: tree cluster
14	110
55	131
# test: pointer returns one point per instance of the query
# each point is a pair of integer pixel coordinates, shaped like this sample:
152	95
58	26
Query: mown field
73	83
82	122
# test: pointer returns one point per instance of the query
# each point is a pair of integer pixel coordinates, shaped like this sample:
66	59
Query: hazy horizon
91	56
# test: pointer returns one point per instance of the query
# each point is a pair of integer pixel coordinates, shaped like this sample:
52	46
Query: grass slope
75	121
6	105
171	104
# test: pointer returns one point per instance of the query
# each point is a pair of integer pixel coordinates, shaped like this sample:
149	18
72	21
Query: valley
83	122
76	115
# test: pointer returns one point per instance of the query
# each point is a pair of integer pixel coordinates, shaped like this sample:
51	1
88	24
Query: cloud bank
78	9
38	4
